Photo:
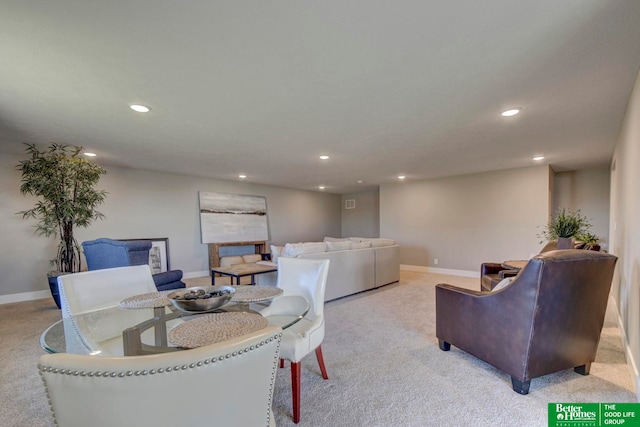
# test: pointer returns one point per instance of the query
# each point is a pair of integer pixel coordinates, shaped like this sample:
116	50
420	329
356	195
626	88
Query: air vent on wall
350	204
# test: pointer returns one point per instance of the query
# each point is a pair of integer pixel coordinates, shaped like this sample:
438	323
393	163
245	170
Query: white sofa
374	263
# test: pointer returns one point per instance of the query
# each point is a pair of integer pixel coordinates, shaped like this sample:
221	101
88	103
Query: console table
241	270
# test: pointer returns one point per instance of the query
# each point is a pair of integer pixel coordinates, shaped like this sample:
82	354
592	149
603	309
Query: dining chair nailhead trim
106	374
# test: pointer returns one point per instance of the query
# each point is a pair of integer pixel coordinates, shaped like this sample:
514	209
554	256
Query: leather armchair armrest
484	324
168	280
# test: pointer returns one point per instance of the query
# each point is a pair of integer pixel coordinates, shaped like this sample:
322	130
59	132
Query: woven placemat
255	293
150	300
211	328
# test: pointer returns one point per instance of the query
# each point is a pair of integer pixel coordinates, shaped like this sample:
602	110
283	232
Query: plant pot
565	243
53	285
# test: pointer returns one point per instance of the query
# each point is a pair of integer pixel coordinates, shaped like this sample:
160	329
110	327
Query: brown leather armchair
548	319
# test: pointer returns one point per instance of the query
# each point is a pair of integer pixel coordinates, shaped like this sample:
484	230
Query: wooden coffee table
241	270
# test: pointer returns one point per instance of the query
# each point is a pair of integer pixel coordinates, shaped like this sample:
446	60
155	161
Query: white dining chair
89	291
229	383
94	290
306	277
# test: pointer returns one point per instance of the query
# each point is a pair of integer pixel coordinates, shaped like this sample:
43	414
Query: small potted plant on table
64	184
564	227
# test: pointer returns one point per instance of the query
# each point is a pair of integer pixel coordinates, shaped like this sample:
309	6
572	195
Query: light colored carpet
384	364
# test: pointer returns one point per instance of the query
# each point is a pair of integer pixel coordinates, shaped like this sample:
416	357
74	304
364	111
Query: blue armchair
108	253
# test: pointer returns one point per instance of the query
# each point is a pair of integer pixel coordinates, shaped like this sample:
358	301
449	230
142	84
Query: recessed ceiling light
324	157
360	181
140	108
321	187
90	154
511	112
401	177
242	176
538	158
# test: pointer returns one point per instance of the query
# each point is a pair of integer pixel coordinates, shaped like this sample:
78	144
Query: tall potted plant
564	227
63	182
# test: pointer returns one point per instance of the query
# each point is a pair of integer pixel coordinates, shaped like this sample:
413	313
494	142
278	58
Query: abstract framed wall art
232	218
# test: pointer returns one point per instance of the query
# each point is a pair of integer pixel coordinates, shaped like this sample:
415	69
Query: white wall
145	204
586	190
364	220
466	220
624	232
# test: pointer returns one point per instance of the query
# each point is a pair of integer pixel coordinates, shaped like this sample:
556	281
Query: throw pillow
276	251
295	249
503	284
360	245
226	261
378	243
252	258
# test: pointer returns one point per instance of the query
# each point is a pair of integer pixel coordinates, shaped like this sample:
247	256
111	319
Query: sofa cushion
251	258
375	242
295	249
360	245
276	251
378	243
338	246
226	261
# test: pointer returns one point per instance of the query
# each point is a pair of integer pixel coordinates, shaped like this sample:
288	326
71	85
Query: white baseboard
422	269
25	296
193	274
627	350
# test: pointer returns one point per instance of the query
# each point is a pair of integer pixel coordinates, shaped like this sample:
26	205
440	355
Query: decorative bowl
201	298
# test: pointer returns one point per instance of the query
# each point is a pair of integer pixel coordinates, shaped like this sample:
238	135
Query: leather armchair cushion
492	273
168	280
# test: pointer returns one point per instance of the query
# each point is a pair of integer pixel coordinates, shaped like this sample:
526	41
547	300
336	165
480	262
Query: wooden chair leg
321	363
296	372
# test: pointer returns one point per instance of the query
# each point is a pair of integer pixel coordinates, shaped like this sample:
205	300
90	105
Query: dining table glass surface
118	331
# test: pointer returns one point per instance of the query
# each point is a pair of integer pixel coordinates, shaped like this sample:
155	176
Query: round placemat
150	300
255	293
211	328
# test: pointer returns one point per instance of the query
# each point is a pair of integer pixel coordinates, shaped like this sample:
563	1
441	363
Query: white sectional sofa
357	264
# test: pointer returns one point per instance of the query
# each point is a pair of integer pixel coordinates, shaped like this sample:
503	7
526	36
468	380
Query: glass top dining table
117	331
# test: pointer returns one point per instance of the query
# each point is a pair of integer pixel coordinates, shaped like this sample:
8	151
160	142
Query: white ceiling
263	88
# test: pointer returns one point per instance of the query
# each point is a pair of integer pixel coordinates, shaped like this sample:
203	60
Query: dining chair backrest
229	383
306	277
94	290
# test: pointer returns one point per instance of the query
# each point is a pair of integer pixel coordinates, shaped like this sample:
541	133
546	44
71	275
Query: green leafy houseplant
588	241
64	184
565	224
